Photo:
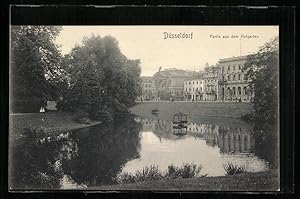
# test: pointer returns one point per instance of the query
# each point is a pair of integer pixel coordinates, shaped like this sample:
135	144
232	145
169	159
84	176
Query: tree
262	71
103	82
35	66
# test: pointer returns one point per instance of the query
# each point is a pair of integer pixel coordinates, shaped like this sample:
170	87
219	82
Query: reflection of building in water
162	128
229	140
235	140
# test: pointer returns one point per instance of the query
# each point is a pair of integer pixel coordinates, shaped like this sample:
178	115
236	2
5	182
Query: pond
95	156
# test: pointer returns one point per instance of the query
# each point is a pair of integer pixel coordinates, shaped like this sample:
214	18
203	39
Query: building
193	89
210	78
233	85
225	82
148	89
169	83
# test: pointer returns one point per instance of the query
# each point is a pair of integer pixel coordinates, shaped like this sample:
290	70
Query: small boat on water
154	111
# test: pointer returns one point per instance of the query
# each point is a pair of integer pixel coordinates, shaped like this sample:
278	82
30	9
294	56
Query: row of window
147	85
190	89
193	82
228	68
239	91
204	81
210	81
234	77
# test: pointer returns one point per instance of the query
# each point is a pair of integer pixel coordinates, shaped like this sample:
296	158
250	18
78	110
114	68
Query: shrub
34	132
125	178
232	169
82	117
148	174
188	170
104	115
153	173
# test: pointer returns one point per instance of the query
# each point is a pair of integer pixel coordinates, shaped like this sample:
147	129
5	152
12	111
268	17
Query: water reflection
207	144
87	157
95	156
228	140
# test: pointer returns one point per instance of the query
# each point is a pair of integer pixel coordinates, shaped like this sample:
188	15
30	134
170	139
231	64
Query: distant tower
159	69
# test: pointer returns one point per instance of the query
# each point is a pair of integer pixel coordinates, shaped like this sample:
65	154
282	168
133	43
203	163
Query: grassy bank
261	181
205	112
53	122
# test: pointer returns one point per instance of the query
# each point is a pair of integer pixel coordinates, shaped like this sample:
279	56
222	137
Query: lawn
261	181
53	122
205	112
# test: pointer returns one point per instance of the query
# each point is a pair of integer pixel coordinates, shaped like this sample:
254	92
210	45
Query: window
193	82
239	76
233	77
239	67
228	68
233	67
239	90
189	83
197	82
245	90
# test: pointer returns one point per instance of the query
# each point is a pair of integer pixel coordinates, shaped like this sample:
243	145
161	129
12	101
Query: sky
205	44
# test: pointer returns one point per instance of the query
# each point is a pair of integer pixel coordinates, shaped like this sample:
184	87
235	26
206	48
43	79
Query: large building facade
210	78
224	82
169	83
148	89
233	84
193	89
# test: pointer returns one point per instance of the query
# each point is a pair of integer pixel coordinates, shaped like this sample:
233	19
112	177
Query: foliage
188	170
262	71
233	169
125	178
103	82
102	150
36	74
148	173
153	173
82	118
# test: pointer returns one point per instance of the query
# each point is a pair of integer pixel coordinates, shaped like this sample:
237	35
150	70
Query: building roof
172	72
230	59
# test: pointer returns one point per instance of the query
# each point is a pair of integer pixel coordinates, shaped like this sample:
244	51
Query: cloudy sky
147	43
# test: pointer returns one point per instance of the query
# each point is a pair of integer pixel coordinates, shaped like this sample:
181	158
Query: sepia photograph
144	107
